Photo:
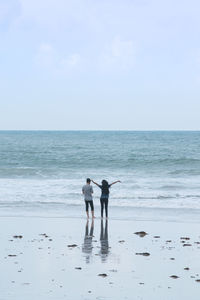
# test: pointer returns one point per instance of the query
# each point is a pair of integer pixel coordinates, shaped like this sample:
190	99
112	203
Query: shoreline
142	214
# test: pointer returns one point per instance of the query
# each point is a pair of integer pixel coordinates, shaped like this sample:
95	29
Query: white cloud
45	56
71	60
48	58
54	13
120	53
3	10
9	10
198	58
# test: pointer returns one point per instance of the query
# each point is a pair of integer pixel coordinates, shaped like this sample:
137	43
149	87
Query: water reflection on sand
104	250
87	246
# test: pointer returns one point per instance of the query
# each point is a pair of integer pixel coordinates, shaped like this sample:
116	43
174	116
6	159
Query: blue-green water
157	169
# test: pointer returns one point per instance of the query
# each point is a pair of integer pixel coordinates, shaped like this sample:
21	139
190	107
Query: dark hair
104	183
88	180
105	187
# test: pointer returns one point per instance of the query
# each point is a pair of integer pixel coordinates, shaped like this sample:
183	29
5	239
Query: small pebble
103	275
141	233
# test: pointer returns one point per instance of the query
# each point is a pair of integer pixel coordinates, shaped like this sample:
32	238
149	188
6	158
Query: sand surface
63	258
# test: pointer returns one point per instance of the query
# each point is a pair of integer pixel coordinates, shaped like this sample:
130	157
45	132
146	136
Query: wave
165	201
157	197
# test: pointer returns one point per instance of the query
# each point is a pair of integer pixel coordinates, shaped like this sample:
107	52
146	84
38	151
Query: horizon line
109	130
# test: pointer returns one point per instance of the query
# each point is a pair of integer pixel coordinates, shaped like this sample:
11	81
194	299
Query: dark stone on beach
141	283
186	269
197	280
174	276
168	241
72	246
186	245
143	253
44	234
12	255
141	233
172	258
89	292
103	275
78	268
122	241
185	238
17	236
50	240
156	237
198	243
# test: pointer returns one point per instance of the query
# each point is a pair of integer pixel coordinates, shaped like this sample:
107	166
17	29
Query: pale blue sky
100	64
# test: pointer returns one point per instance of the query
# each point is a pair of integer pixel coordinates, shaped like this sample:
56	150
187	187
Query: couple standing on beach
87	190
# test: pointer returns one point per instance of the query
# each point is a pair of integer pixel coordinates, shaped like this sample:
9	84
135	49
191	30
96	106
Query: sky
99	65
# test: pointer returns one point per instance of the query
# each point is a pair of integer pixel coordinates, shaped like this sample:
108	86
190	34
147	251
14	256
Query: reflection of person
87	245
87	191
104	195
104	241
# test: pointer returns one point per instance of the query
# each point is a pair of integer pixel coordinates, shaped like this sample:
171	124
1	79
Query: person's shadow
87	244
104	250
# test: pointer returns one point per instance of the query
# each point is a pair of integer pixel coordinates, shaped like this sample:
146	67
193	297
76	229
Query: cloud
198	58
48	58
45	56
71	60
9	10
4	8
120	53
54	13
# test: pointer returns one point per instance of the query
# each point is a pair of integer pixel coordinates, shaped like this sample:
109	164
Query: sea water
42	172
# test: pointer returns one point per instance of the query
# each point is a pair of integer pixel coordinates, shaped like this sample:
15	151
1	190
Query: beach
70	258
49	251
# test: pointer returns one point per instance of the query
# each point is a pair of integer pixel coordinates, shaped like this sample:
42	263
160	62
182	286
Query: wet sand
61	258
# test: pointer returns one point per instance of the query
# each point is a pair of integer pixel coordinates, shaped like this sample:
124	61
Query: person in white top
87	191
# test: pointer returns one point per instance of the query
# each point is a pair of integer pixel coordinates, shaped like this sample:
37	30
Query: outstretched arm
115	182
95	183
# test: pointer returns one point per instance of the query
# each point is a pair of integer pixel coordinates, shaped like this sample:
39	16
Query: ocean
42	172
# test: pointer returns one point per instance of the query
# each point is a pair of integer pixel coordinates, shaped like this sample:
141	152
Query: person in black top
104	195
